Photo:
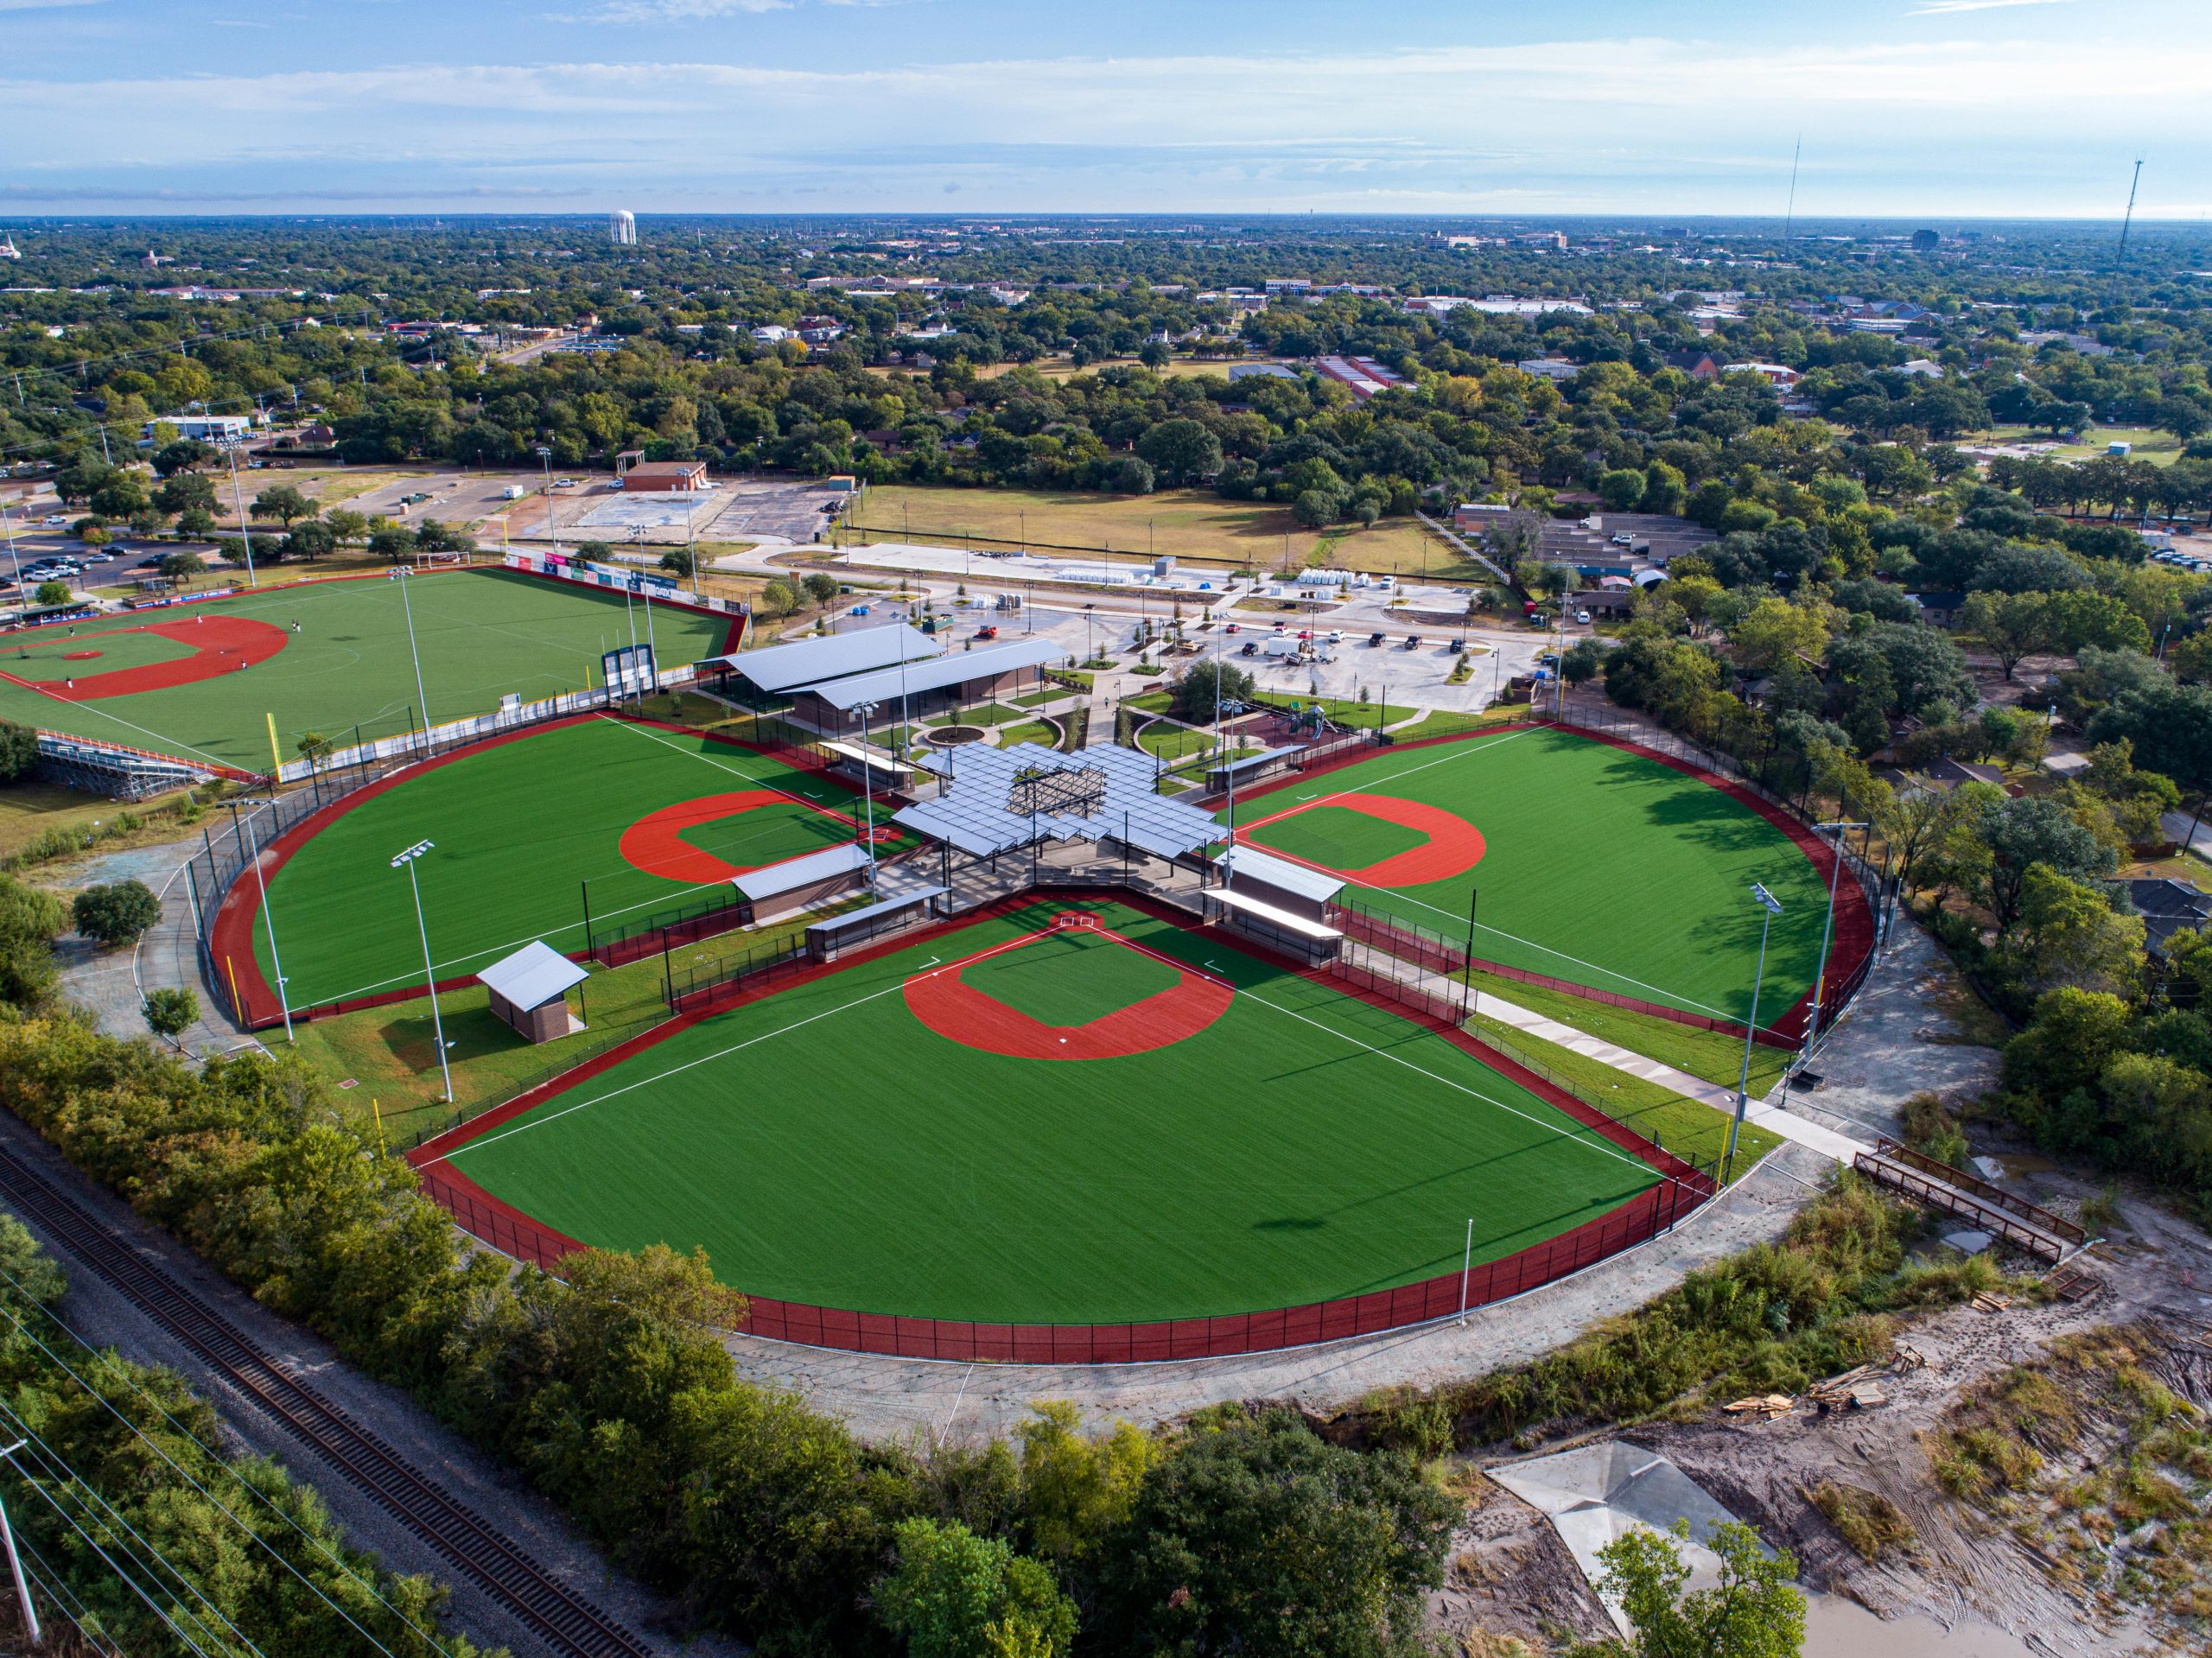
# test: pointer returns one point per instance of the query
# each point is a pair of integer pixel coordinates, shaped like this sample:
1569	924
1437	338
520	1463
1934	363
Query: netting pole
667	971
584	886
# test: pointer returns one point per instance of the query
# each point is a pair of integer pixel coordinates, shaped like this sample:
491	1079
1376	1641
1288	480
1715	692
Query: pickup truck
986	632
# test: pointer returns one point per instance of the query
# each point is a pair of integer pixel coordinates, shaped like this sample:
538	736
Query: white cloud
665	11
1946	7
1634	123
45	5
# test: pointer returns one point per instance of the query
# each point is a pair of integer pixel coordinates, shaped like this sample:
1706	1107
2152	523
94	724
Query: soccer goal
438	560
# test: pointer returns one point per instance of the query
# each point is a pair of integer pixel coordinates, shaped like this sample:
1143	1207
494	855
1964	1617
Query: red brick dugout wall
1680	1190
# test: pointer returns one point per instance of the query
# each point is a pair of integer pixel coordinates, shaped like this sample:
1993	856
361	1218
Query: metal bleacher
111	769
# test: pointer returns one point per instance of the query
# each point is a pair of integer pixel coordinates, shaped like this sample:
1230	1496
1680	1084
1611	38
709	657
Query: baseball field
1582	861
200	681
648	820
1027	1120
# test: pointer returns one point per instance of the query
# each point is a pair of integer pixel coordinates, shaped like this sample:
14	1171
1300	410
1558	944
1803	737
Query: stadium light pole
8	524
401	574
268	919
1827	933
430	974
238	499
1467	1268
1771	907
865	710
552	520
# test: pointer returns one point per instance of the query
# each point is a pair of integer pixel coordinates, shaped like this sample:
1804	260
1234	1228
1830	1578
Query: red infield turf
218	644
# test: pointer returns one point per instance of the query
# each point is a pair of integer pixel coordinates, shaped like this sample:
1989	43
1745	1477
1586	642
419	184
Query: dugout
529	992
1277	903
868	765
879	920
781	889
1250	769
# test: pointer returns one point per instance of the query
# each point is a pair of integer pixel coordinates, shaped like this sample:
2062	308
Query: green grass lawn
1454	722
1689	1128
1343	709
1174	743
1709	1055
389	1054
824	1144
480	635
1599	866
2160	448
517	830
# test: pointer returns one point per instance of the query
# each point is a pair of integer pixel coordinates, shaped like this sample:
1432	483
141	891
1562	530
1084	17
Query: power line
271	1502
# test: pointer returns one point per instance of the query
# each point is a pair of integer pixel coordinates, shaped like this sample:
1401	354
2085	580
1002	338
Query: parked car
1413	641
1236	627
1583	616
1374	639
54	521
1336	636
1458	647
986	632
1624	540
1251	647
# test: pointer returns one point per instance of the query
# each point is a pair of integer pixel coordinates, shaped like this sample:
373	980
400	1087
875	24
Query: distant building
1557	369
1698	365
217	430
664	477
622	230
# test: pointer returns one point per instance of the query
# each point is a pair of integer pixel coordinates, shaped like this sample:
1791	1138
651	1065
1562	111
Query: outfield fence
1428	949
1767	779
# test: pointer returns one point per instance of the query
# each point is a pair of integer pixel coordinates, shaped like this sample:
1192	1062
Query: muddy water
1836	1628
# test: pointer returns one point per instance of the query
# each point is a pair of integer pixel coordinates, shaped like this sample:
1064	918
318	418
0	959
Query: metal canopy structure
792	873
996	800
779	668
1302	879
956	668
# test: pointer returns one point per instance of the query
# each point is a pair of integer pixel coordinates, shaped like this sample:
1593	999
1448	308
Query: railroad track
569	1625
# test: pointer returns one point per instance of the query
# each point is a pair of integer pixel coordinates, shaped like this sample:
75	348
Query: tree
821	588
1181	451
1076	1490
1776	630
1753	1612
1316	508
182	566
30	919
395	542
51	593
18	750
116	912
2070	935
2013	625
285	504
956	1595
310	540
313	746
1204	686
120	497
1621	489
1584	661
176	459
678	561
346	524
1253	1536
2021	833
777	598
183	492
170	1012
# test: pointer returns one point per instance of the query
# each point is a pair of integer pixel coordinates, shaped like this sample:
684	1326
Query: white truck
1282	645
513	492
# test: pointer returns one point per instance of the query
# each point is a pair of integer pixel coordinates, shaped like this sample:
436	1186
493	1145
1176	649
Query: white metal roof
886	685
1281	874
1289	922
1093	795
780	668
533	976
906	900
794	873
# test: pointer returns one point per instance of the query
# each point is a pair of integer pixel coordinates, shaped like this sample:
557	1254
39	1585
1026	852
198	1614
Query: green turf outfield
1601	866
516	827
481	634
824	1145
89	648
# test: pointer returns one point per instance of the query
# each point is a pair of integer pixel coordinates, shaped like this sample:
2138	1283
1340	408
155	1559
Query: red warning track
959	1013
655	843
221	644
1455	846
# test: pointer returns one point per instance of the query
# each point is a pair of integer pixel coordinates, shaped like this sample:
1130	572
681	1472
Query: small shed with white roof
529	991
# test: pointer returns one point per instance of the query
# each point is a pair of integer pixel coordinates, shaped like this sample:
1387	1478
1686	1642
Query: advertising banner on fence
644	583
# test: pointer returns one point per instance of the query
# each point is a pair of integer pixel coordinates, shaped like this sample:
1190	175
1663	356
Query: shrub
115	913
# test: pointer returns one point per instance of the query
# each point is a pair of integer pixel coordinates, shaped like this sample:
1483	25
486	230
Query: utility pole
1789	212
2128	218
15	1564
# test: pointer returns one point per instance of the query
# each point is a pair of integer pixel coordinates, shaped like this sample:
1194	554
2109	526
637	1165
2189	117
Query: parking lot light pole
1771	907
430	973
8	524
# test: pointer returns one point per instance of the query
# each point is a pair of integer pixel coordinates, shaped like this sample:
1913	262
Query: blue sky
1925	108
